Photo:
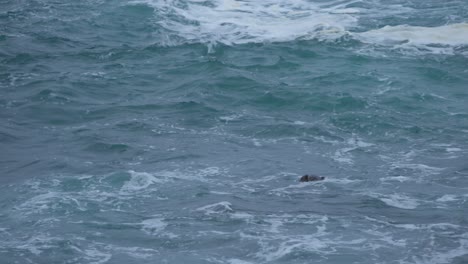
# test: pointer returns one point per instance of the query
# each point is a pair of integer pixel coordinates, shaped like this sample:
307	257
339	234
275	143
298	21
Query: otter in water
308	178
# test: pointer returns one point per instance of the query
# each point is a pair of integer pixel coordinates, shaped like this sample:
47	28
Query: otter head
307	178
304	178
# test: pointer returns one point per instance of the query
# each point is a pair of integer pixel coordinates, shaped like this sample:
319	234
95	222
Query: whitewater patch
217	208
238	261
138	182
416	168
239	22
442	39
397	200
447	198
344	155
224	208
153	226
397	178
232	22
303	187
451	35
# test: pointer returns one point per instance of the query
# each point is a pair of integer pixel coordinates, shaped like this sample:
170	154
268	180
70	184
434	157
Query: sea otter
308	178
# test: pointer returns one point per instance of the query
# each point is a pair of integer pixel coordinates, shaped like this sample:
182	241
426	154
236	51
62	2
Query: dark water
176	131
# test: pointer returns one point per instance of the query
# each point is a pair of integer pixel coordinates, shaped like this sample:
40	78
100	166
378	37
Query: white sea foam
153	226
37	244
96	252
302	187
275	224
225	208
453	149
229	118
138	181
220	193
197	175
440	226
250	181
358	143
448	198
290	245
425	170
452	35
48	201
397	200
300	123
400	201
238	261
238	22
276	242
440	39
341	181
38	203
256	142
249	21
221	207
277	221
95	256
396	178
272	251
246	217
144	180
344	155
386	238
136	252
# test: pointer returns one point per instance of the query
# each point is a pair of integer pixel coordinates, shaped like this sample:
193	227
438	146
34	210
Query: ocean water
175	131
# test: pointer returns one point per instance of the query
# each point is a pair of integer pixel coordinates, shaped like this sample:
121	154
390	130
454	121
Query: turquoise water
176	131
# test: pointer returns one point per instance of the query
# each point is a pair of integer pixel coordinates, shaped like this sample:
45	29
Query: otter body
308	178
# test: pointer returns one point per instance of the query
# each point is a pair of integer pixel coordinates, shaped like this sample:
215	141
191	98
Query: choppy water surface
166	131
